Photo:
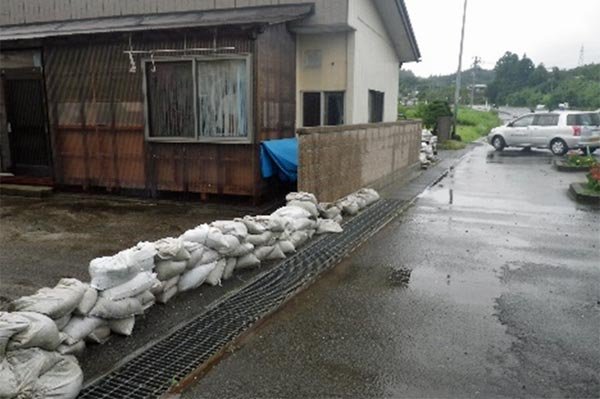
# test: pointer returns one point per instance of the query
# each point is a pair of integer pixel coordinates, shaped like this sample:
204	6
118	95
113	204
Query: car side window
524	121
546	120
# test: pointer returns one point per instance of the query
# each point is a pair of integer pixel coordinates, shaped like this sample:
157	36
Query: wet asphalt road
489	286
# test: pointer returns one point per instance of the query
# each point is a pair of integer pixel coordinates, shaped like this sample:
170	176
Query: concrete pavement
486	287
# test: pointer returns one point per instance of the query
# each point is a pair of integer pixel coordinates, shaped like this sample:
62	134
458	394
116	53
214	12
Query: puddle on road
520	157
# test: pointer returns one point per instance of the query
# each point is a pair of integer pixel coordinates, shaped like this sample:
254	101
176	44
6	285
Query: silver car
559	131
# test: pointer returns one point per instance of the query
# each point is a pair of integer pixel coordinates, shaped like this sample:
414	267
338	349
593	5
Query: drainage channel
154	371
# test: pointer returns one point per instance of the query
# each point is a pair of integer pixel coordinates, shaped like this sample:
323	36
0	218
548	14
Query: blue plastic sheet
279	158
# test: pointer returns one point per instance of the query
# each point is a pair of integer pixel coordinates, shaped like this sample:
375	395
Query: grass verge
472	124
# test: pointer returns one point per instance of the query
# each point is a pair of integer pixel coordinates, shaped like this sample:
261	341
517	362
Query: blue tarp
279	157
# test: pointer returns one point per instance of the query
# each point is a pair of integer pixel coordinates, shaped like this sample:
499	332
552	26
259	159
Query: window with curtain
201	99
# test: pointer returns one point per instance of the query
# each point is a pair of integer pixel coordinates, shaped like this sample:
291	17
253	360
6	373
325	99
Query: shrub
594	179
580	160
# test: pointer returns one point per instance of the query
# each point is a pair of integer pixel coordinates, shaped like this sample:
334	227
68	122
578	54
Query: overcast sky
548	31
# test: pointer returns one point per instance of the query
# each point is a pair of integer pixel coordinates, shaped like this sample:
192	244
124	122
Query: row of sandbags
57	322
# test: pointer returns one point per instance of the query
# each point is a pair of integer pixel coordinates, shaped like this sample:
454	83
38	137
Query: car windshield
591	119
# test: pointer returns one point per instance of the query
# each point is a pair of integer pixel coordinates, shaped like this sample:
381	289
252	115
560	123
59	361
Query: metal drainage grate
153	372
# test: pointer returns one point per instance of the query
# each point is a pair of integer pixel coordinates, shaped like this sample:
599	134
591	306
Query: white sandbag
140	283
360	201
338	219
259	240
142	256
218	241
298	238
27	365
293	212
369	195
208	256
166	295
76	349
80	327
234	228
40	333
310	207
272	223
348	206
229	268
123	326
62	381
109	271
53	302
121	309
302	224
170	283
241	250
87	301
10	324
232	245
171	249
195	277
286	246
167	269
198	234
253	226
197	252
301	196
326	226
214	277
328	210
9	386
63	321
100	335
247	262
269	253
145	297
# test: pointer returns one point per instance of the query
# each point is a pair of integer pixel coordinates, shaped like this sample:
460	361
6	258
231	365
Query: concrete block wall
338	160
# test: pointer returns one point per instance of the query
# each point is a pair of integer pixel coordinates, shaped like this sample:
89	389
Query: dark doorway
27	128
312	109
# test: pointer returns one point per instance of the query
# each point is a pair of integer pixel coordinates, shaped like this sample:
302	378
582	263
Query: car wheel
558	147
498	143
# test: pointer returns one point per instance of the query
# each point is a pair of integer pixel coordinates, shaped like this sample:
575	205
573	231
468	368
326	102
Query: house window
171	99
312	109
199	99
376	102
323	108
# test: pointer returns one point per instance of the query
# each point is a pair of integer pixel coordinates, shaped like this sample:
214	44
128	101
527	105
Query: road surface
487	287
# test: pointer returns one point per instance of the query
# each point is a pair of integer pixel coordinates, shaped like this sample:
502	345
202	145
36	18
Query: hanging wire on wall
157	53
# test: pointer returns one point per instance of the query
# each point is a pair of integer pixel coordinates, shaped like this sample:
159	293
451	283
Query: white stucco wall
331	75
373	63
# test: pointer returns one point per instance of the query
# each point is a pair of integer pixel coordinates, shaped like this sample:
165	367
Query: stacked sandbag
199	266
29	363
171	262
37	373
357	201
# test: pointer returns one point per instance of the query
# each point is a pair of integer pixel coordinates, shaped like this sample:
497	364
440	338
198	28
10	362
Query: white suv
559	131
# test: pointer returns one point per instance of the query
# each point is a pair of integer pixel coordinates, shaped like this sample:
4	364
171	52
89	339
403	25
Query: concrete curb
581	194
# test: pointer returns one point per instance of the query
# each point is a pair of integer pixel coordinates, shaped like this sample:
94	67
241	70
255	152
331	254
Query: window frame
248	139
322	96
370	111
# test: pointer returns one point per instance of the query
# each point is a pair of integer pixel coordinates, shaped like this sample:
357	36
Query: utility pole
458	72
581	61
476	62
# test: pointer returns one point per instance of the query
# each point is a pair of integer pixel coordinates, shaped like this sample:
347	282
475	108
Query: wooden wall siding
275	91
328	12
97	124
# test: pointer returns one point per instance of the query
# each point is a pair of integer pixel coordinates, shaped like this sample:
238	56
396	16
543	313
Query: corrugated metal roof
188	19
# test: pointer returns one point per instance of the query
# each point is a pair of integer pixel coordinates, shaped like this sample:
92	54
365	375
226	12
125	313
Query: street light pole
458	72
